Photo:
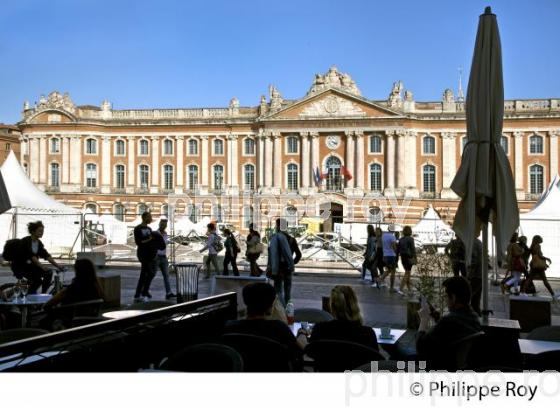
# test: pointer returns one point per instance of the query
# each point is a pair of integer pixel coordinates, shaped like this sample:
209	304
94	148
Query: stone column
448	164
390	163
132	171
180	156
553	136
305	167
43	161
359	169
268	162
277	162
519	171
233	164
155	182
315	160
411	175
34	159
76	171
65	163
261	161
400	162
106	164
349	162
204	167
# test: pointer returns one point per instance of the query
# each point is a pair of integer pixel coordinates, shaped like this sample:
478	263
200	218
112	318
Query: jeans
230	258
147	273
37	277
283	287
163	264
212	259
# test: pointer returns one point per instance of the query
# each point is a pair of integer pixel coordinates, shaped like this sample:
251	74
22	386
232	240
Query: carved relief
332	106
333	79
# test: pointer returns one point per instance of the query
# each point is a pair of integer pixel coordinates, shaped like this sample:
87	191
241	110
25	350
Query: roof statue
275	99
234	103
333	79
408	96
448	96
395	99
56	100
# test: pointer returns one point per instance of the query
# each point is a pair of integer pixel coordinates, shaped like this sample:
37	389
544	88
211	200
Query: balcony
430	195
119	191
142	191
532	197
89	190
52	189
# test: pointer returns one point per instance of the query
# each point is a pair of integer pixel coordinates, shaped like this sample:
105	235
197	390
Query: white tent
114	230
431	230
29	203
544	220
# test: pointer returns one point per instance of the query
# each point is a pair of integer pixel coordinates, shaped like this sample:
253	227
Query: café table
122	314
531	347
24	303
396	334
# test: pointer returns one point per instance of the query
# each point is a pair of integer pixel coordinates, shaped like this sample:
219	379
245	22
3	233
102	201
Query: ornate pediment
332	106
333	79
56	101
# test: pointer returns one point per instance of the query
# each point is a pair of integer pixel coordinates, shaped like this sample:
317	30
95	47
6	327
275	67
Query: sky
188	54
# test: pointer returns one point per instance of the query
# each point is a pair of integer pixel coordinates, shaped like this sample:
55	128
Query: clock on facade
333	141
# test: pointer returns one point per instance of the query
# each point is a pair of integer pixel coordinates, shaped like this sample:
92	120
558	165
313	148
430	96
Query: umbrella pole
485	311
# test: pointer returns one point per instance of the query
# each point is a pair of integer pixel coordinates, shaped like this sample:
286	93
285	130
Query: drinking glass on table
24	287
16	290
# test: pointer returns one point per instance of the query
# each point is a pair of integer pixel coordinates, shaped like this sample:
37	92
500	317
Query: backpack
218	245
11	250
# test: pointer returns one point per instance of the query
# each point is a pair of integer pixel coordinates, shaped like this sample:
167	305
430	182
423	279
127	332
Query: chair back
548	333
312	315
85	308
458	352
260	354
205	357
11	335
340	355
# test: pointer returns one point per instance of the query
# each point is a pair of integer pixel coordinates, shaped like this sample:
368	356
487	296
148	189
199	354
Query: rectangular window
292	145
91	176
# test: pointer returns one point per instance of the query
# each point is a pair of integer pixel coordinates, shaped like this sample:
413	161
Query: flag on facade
347	175
317	177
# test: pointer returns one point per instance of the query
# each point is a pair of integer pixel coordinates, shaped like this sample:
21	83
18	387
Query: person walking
369	255
475	276
162	263
254	250
214	246
377	264
538	267
232	249
516	265
389	258
407	251
455	250
146	253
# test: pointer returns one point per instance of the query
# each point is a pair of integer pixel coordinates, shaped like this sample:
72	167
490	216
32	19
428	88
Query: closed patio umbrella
484	180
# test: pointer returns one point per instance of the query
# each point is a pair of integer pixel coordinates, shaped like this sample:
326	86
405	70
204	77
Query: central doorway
335	212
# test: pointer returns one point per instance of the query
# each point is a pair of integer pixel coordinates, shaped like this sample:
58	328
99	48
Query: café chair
260	354
205	357
11	335
60	317
461	354
86	320
149	305
340	355
547	333
544	361
312	315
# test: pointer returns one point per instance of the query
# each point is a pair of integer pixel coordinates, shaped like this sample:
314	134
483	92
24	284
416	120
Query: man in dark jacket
146	253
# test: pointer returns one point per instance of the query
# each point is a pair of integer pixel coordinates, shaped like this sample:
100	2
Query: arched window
55	175
247	216
144	171
375	214
167	147
375	177
292	177
536	179
217	213
334	181
249	146
249	177
91	146
143	147
118	210
536	145
193	147
218	147
218	177
55	145
142	207
168	177
429	176
119	177
91	175
291	215
192	177
119	147
429	145
504	144
375	144
292	145
91	208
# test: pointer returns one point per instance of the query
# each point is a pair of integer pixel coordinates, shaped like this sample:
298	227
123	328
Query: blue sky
165	53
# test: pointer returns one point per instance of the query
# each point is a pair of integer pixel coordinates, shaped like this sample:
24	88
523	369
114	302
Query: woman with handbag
516	265
407	251
538	266
254	250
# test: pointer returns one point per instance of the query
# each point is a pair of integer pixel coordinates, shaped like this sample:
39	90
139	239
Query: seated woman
85	286
348	323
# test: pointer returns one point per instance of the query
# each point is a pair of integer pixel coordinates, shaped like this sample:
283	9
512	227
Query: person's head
85	271
370	230
259	298
458	292
211	227
36	229
407	231
146	217
537	240
344	304
227	232
513	238
378	232
523	240
162	224
281	224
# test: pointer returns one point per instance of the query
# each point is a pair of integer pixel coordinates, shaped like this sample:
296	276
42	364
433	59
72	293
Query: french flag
347	175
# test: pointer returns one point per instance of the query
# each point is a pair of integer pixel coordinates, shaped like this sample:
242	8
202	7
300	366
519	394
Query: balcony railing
89	189
51	188
532	197
430	195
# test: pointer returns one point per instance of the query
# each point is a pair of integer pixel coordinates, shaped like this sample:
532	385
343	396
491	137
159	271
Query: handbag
257	248
538	263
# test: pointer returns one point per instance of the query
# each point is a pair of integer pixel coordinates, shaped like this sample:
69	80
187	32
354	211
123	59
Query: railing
430	195
532	197
50	188
89	190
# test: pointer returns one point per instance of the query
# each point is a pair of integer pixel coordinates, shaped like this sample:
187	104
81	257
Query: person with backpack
281	261
214	246
146	253
232	249
24	255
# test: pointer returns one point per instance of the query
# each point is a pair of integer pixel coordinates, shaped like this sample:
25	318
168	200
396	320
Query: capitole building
378	159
